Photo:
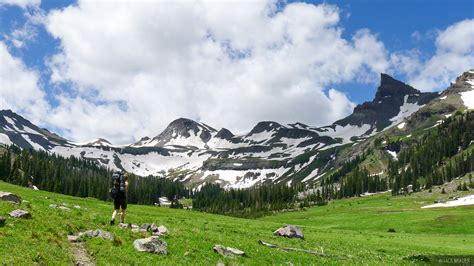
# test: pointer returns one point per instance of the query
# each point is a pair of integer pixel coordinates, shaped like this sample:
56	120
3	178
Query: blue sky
74	58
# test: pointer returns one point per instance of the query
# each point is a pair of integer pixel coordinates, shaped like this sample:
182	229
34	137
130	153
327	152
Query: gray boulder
72	238
153	228
228	251
160	230
98	233
10	197
145	227
20	214
2	220
291	231
123	226
151	244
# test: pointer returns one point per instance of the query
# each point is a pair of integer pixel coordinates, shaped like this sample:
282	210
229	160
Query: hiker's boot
112	222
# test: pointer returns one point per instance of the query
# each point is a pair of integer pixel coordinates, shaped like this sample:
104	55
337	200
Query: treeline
249	202
78	177
438	157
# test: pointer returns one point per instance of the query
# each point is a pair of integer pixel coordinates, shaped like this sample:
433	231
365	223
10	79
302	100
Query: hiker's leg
114	214
122	218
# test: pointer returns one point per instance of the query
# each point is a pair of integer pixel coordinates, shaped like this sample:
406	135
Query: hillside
195	153
351	231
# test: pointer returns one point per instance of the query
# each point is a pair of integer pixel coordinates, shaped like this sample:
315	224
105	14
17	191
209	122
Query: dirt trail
81	257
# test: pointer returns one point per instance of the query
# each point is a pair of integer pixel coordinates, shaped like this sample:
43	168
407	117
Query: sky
124	70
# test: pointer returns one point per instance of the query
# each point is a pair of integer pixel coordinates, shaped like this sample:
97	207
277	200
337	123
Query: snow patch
401	126
405	110
464	201
393	153
312	175
346	132
468	99
443	98
5	139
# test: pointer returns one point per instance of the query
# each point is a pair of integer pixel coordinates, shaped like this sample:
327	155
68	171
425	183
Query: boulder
98	233
162	230
153	228
135	230
228	251
151	244
134	226
20	214
10	197
72	238
145	227
291	231
2	220
123	225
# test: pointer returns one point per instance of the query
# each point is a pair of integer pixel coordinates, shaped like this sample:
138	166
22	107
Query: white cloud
21	3
19	88
454	55
140	65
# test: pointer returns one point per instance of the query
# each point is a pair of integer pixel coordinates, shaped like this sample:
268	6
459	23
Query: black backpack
118	182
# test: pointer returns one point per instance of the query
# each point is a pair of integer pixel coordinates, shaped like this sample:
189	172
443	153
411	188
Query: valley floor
350	231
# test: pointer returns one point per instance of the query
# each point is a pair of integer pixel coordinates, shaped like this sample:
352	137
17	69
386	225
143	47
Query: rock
72	238
54	206
134	226
64	208
10	197
123	226
20	214
162	230
98	233
291	231
142	230
135	230
228	251
2	220
151	244
77	206
145	227
153	228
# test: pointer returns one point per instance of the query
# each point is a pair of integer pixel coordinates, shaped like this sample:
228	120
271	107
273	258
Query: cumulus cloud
21	3
140	65
454	55
19	88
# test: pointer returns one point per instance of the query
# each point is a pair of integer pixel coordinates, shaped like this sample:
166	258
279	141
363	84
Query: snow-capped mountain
195	153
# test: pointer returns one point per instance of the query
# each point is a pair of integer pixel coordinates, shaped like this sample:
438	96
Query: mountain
194	153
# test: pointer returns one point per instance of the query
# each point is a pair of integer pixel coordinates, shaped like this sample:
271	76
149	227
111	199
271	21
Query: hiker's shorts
120	203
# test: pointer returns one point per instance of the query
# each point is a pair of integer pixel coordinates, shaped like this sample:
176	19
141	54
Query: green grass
352	231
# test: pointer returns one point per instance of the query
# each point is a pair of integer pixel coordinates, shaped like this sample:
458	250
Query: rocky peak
465	82
391	87
99	142
265	126
224	134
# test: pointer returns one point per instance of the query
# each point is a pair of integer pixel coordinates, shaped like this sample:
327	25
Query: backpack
118	187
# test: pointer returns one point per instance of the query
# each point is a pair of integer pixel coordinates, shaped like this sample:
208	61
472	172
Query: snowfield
468	99
464	201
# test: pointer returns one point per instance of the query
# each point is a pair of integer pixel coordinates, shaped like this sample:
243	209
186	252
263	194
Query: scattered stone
54	206
65	204
20	214
2	220
64	208
145	227
134	226
153	228
291	231
10	197
151	244
228	251
123	226
135	230
220	264
77	206
391	230
142	230
98	233
162	230
72	238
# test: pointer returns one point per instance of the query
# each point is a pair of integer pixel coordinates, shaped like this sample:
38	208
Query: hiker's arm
126	186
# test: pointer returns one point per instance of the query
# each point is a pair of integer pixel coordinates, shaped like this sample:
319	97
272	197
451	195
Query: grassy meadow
350	231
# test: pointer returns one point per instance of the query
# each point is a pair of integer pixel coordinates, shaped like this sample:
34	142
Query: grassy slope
355	229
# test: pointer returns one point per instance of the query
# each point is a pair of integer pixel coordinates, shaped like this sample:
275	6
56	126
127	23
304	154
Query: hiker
119	194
